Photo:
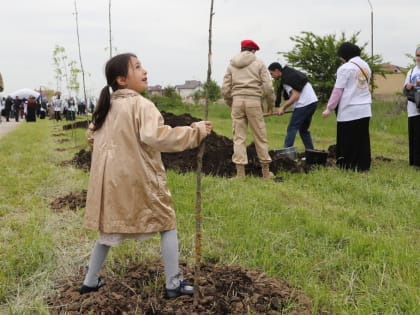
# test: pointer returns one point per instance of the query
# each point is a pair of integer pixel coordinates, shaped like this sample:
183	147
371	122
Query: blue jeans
301	121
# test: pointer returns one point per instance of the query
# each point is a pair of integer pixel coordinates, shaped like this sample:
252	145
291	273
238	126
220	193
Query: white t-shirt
355	103
307	95
57	104
412	78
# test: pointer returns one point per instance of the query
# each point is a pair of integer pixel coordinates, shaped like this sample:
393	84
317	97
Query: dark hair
117	66
275	66
247	49
348	50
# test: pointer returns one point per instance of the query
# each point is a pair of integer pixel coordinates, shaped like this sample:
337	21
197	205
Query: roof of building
154	88
388	67
189	84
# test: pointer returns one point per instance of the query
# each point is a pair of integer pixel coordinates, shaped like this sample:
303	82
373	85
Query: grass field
350	241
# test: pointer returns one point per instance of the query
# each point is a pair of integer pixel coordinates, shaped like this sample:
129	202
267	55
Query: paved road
6	126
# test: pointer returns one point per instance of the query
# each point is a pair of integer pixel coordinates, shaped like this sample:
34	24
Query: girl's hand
209	126
409	86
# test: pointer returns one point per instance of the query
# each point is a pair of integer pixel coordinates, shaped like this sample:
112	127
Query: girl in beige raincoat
128	196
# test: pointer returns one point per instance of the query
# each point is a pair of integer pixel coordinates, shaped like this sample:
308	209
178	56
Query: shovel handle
286	112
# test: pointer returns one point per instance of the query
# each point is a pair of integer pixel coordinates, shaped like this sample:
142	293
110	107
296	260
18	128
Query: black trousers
353	144
57	115
414	140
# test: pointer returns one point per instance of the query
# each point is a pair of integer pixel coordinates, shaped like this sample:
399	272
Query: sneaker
184	289
85	289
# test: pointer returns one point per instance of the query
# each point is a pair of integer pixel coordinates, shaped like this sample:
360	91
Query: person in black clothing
17	104
8	107
31	109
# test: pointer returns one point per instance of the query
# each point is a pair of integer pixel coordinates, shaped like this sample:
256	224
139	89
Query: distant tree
74	84
213	90
317	57
169	99
60	60
65	70
197	96
169	91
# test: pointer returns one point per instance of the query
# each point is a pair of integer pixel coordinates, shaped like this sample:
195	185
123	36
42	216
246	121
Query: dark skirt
414	140
31	114
353	144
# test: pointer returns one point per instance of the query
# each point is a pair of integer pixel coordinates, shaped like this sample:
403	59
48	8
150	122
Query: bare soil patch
217	159
140	290
72	201
78	124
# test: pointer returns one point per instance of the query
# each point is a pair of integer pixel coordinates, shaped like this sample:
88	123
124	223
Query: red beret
249	44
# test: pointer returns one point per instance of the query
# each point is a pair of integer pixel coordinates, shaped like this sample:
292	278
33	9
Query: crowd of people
33	107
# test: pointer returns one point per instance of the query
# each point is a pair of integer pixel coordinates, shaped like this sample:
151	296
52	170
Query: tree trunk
80	53
199	168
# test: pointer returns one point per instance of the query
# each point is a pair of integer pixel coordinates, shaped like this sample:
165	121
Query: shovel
286	112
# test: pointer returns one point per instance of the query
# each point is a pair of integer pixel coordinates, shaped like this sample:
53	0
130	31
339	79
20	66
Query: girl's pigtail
102	108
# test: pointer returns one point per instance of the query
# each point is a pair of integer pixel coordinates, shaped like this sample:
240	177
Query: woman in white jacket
352	97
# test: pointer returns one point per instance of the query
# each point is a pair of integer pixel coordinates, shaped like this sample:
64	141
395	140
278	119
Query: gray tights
169	248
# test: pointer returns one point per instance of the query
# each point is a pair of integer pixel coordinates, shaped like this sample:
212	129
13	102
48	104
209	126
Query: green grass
350	241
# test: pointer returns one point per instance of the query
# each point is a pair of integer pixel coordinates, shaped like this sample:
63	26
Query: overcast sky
170	37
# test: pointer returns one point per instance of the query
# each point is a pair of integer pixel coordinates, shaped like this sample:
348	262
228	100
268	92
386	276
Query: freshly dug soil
72	201
82	159
217	159
78	124
140	290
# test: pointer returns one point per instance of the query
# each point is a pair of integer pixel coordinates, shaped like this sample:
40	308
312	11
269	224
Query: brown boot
240	171
266	174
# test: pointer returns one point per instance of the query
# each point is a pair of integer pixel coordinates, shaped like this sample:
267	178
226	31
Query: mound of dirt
222	290
82	159
78	124
217	159
72	201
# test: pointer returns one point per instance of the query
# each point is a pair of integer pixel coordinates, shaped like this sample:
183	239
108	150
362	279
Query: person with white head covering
352	99
411	90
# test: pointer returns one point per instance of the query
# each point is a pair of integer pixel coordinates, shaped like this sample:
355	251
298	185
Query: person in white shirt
301	96
412	83
57	108
352	99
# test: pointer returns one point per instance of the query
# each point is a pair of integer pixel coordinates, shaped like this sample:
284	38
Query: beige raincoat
128	190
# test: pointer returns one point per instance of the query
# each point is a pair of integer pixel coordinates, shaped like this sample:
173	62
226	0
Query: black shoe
184	289
85	289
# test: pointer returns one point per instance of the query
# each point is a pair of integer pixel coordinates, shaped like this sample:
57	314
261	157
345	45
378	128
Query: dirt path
6	126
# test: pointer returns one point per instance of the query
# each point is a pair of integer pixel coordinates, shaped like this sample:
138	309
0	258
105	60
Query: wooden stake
199	168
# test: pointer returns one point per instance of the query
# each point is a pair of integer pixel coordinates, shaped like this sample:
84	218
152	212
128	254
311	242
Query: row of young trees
313	54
